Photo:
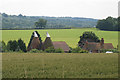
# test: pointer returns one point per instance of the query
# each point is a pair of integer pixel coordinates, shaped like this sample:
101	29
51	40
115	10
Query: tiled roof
108	46
92	46
97	46
61	44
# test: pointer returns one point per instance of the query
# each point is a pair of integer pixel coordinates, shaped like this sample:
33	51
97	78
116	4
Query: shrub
76	50
59	50
19	51
70	49
50	50
112	50
83	51
35	51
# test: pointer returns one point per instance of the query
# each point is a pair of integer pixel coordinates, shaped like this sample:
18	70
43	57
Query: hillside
20	21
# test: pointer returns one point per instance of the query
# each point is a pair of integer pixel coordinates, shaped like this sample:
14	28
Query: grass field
16	65
71	36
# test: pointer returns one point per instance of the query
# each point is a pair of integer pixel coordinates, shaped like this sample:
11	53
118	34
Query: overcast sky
97	9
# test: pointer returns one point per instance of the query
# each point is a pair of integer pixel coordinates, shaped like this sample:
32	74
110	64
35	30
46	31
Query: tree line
22	21
28	22
13	46
109	24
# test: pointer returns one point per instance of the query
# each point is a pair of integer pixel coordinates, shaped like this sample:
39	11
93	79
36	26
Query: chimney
102	43
86	43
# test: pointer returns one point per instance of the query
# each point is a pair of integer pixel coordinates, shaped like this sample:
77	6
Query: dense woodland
20	21
29	22
109	24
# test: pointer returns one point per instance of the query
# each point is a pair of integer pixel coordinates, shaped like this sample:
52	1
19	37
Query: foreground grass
55	65
71	36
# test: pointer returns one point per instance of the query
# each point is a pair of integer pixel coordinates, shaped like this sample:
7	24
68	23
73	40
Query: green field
71	36
18	65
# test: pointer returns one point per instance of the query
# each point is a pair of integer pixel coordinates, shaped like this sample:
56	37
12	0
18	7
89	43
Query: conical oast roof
35	44
47	42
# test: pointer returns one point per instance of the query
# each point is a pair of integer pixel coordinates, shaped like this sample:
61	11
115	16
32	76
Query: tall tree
9	45
4	14
20	15
41	23
12	45
89	36
22	45
109	23
2	46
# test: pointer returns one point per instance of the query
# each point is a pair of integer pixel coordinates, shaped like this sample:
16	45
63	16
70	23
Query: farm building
35	43
95	47
61	44
56	44
48	42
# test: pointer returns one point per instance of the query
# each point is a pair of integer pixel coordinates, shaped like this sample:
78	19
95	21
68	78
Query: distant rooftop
62	45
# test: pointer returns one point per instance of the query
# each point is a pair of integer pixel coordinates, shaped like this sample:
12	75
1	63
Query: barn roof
92	46
62	45
108	46
97	46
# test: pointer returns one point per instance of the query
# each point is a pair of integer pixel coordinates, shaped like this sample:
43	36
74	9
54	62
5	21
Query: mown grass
71	36
60	65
